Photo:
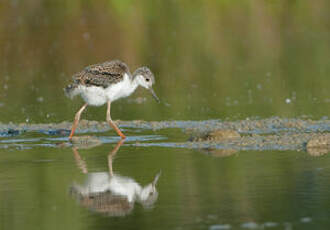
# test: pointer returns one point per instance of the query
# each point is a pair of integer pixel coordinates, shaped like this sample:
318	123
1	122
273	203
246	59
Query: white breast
102	182
122	89
124	186
98	96
93	95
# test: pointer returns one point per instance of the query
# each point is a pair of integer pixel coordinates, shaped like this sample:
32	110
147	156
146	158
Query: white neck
130	85
135	82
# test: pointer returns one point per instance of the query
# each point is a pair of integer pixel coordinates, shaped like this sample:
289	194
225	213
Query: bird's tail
71	90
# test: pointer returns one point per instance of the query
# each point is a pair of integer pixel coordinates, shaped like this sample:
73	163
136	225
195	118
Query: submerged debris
316	144
10	133
56	132
216	135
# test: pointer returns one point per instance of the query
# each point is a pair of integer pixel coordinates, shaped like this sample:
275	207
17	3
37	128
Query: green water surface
212	59
196	191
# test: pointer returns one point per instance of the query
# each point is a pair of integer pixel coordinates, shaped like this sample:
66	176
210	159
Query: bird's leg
112	154
80	162
76	120
112	124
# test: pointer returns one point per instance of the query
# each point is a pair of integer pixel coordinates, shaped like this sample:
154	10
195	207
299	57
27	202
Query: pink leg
112	124
80	162
76	120
112	154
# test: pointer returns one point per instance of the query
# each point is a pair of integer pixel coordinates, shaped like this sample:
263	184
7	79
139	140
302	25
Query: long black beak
154	95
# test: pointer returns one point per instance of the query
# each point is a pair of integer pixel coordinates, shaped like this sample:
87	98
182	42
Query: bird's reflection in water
110	193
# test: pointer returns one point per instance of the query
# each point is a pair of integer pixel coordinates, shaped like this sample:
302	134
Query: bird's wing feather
104	74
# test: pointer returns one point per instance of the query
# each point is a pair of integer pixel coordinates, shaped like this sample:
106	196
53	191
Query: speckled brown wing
103	75
103	202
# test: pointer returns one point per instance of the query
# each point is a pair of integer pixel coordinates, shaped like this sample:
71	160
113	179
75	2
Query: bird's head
149	194
145	78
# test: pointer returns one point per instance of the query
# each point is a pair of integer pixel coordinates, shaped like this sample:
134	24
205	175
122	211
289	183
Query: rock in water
319	145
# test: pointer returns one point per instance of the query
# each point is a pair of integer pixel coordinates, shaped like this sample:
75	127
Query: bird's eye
147	79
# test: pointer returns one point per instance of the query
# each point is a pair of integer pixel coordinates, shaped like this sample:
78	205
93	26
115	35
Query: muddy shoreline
264	134
262	126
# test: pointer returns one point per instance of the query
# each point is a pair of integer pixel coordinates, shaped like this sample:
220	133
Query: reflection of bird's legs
80	162
112	154
112	124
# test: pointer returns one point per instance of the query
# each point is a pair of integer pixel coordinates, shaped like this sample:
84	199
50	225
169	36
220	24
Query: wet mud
262	126
215	137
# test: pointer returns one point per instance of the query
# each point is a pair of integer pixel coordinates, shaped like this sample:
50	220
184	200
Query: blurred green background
212	59
215	59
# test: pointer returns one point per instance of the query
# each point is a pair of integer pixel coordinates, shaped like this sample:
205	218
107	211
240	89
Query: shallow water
245	190
217	64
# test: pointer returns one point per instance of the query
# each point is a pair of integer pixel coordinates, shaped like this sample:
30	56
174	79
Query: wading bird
106	82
